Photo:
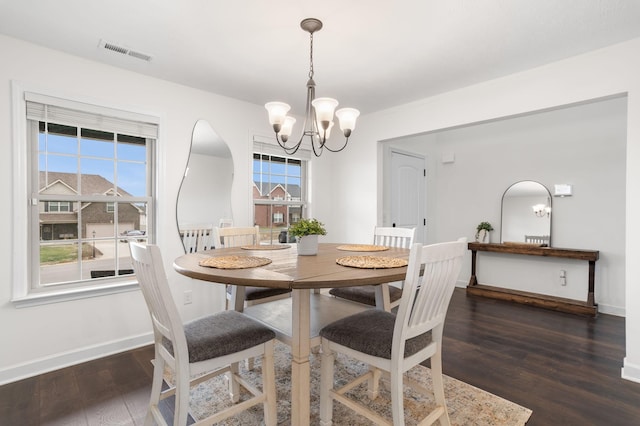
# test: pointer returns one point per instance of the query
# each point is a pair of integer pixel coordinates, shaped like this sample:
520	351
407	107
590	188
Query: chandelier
318	119
541	210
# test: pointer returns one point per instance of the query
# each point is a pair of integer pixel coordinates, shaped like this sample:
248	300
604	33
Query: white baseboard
611	310
631	371
66	359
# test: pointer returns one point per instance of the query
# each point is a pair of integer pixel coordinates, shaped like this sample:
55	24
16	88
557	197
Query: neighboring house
276	214
59	219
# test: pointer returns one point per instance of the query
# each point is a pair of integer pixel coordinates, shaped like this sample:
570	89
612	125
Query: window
279	192
58	206
90	187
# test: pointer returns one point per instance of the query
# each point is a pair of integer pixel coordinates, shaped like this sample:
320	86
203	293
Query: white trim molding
65	359
631	371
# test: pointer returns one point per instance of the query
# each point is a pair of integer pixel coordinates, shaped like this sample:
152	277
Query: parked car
132	234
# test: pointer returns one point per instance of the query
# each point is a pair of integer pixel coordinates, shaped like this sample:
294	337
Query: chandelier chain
311	55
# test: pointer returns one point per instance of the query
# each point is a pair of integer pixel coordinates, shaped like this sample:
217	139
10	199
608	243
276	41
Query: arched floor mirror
204	198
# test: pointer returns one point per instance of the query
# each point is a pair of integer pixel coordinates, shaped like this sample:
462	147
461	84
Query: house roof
59	218
265	188
90	185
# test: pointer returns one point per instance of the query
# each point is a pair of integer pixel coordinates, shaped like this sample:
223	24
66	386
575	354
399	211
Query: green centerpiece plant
305	227
306	232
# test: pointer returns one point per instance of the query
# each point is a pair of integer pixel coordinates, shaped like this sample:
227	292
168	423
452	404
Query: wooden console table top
534	250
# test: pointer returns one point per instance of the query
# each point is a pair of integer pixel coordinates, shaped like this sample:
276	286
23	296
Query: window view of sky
103	157
276	170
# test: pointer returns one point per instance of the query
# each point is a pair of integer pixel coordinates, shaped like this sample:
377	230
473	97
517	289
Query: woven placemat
362	247
266	247
235	262
371	262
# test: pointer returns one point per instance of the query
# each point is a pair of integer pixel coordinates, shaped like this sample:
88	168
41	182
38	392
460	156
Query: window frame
262	146
25	252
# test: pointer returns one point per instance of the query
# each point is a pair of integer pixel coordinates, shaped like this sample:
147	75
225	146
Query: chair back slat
431	277
149	270
538	239
197	238
237	236
393	237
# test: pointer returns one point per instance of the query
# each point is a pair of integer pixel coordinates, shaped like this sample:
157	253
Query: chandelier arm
346	141
289	150
317	151
308	118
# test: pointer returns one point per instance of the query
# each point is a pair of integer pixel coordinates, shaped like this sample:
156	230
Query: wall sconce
541	210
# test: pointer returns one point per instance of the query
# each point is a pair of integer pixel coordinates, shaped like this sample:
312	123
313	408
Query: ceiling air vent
124	51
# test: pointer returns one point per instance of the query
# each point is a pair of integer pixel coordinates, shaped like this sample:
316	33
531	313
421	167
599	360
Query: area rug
467	404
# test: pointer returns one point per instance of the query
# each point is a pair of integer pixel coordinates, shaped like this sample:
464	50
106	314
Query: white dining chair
393	344
390	292
225	223
197	237
247	236
200	349
537	239
236	236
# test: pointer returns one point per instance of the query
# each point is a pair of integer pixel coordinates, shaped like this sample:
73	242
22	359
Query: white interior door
408	192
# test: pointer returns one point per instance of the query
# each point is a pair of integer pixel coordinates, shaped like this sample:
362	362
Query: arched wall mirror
526	214
204	198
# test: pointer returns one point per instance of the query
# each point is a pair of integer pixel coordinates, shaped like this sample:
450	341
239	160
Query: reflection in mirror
526	214
204	198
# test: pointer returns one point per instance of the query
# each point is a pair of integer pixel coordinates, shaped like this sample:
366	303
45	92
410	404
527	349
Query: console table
535	299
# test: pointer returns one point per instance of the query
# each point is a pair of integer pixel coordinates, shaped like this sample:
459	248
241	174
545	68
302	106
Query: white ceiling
371	54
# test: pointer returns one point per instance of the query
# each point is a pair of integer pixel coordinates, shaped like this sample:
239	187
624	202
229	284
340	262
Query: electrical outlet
563	277
188	297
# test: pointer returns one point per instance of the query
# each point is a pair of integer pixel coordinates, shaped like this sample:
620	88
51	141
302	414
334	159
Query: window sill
45	298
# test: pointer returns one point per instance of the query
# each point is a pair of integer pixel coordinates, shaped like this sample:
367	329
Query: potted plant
483	232
306	232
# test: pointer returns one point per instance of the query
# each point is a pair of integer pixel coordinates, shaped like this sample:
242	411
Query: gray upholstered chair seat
371	332
257	293
221	334
365	294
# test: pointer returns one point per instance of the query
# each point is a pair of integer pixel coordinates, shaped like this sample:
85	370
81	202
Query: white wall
356	207
42	338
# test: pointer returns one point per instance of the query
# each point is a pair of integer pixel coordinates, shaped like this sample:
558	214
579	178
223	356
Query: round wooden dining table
296	320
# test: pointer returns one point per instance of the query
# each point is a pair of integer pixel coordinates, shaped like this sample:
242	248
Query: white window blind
62	111
268	145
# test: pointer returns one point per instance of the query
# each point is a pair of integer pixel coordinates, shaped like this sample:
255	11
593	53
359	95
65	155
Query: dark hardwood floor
565	368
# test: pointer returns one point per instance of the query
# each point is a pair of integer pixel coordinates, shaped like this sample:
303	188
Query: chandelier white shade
541	210
319	113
